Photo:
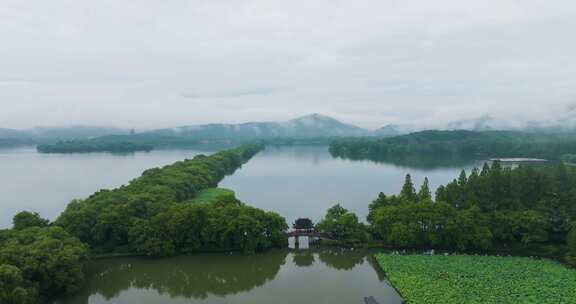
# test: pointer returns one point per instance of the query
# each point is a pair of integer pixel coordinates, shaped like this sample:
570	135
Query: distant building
303	224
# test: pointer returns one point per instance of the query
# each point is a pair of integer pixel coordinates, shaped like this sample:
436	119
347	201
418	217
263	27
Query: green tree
26	219
462	178
219	225
50	260
524	207
571	256
342	225
457	144
485	170
13	288
425	193
469	229
380	201
408	191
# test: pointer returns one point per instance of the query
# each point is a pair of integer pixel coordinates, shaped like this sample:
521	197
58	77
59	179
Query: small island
77	146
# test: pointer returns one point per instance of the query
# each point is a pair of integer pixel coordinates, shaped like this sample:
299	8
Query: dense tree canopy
408	191
37	263
226	225
26	219
458	143
526	204
427	224
13	288
87	146
571	256
495	207
342	225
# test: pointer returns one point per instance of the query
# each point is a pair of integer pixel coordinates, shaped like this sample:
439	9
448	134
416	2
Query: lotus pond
424	279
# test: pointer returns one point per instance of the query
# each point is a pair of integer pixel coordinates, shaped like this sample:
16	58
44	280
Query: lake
317	276
46	183
295	181
304	181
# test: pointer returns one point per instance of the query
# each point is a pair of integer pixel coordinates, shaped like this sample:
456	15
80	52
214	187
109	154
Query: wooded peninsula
457	143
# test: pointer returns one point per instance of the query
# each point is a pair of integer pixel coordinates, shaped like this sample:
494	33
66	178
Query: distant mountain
11	137
314	125
13	134
74	132
388	131
482	123
561	124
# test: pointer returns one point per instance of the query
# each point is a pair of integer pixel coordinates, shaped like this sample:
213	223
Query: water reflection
191	277
211	278
341	258
304	181
303	258
422	162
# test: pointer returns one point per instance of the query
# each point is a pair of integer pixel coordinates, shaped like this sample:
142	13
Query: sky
149	64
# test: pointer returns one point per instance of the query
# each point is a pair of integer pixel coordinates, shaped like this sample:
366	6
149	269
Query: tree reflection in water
341	258
202	275
419	162
303	258
186	276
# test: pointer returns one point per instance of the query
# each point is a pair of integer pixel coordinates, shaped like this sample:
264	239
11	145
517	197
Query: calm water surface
46	183
327	276
300	181
304	181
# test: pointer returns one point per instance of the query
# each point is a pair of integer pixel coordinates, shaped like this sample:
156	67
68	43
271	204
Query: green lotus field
424	279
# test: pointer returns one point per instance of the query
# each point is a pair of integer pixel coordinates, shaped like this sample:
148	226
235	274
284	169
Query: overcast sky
151	63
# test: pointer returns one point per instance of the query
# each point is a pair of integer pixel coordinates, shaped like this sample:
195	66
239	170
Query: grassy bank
212	195
422	279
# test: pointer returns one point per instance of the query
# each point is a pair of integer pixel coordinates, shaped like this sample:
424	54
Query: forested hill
310	129
10	137
89	146
313	125
458	143
43	135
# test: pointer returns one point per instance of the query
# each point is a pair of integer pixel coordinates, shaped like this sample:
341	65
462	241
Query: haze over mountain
563	120
51	134
317	125
388	131
307	126
313	125
554	118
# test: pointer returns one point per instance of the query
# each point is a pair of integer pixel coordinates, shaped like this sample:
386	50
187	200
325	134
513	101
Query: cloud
370	62
14	83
